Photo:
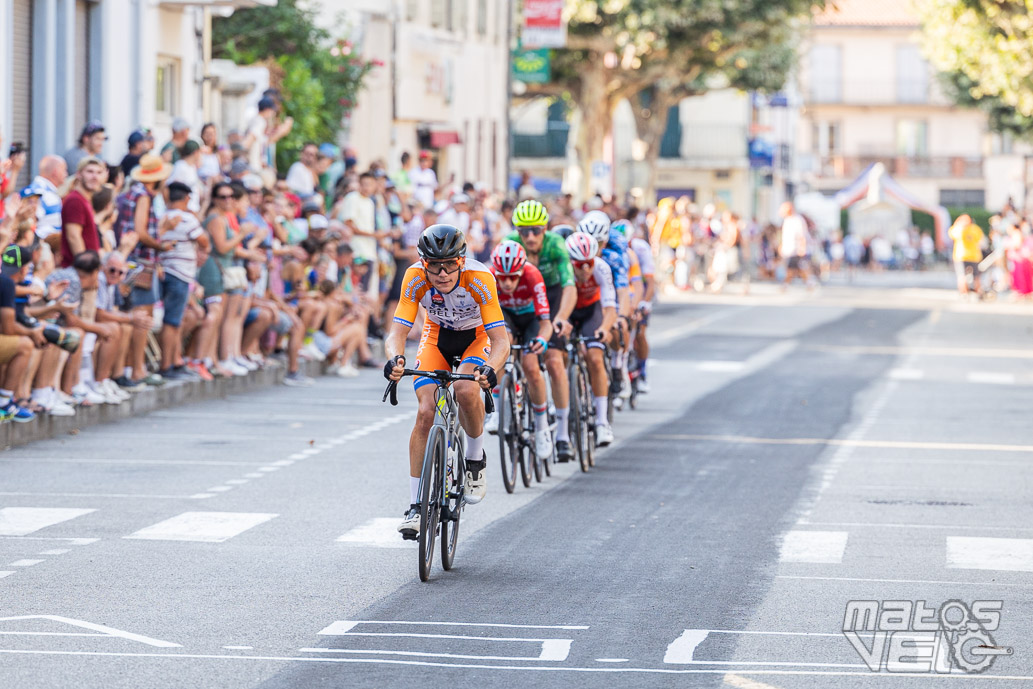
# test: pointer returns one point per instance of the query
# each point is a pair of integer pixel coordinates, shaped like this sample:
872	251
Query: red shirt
77	209
529	295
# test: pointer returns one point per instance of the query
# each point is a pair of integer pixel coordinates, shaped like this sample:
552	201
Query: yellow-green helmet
530	214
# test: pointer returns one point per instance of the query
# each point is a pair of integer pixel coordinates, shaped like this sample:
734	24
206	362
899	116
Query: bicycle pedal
410	535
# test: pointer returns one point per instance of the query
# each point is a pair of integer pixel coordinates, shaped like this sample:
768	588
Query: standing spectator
9	171
137	229
334	172
16	340
794	243
180	135
210	168
53	171
301	177
263	133
78	223
186	171
139	143
402	178
182	229
968	252
91	142
424	180
358	213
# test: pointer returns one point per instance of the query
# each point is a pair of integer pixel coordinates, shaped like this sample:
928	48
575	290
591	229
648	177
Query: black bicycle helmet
563	230
441	242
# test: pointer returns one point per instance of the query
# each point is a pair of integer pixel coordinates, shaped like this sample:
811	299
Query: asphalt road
867	442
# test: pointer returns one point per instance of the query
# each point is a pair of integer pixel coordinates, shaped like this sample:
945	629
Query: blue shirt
615	255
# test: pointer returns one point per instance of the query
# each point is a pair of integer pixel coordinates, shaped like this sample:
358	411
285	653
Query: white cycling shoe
543	444
603	435
410	526
625	385
491	423
476	485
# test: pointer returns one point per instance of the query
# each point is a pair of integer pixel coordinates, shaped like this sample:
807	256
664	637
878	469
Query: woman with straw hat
137	232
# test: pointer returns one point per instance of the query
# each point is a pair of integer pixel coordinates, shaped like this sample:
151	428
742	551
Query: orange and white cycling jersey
473	302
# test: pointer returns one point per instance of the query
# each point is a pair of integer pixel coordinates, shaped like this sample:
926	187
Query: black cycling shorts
587	321
523	327
555	295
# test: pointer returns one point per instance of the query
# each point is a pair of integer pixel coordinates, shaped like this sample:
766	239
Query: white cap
318	222
460	198
595	203
440	207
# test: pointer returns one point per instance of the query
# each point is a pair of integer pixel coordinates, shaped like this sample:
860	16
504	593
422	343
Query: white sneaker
603	435
112	387
99	389
311	351
348	371
48	399
410	526
643	386
491	423
233	367
61	409
476	483
70	400
543	444
246	363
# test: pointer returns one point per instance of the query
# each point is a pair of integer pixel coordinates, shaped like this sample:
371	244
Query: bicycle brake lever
489	403
391	388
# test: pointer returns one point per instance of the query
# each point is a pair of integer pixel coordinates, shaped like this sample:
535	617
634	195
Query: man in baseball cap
91	142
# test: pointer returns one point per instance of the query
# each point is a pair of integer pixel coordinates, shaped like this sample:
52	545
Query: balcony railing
870	91
551	144
945	167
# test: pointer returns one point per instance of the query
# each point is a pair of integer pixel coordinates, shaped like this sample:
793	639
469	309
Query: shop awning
442	138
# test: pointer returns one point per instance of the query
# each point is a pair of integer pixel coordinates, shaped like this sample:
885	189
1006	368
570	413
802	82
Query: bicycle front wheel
455	474
430	497
578	426
509	424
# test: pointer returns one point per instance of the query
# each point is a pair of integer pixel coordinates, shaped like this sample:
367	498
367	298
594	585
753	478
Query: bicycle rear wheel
578	427
524	448
532	448
430	497
455	474
509	421
588	412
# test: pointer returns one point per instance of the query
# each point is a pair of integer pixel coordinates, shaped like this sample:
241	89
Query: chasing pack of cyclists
593	283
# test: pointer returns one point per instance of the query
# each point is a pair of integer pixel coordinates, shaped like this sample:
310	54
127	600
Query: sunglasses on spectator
527	231
224	196
117	271
441	267
584	264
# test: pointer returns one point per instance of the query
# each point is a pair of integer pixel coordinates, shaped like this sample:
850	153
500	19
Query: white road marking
297	455
848	442
254	475
907	374
237	481
5	574
744	683
56	551
283	463
666	337
903	581
721	366
206	527
819	547
611	660
100	628
202	496
24	563
380	532
134	462
73	541
528	668
888	525
268	469
22	521
551	651
341	627
239	648
991	378
96	495
1005	554
683	648
220	489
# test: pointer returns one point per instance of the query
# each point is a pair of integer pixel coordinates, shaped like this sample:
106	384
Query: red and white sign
543	24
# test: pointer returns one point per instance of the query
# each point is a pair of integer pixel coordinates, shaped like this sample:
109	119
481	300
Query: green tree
666	48
986	48
320	77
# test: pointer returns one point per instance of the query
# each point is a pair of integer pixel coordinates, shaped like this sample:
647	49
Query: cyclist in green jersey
548	252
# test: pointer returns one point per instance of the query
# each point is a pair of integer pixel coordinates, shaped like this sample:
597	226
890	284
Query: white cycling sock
474	447
562	430
600	410
414	489
541	418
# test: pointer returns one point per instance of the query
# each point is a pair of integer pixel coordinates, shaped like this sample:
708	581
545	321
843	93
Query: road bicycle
517	449
582	406
442	485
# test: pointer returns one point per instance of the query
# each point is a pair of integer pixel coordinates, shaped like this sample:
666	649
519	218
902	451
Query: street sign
532	66
543	24
762	153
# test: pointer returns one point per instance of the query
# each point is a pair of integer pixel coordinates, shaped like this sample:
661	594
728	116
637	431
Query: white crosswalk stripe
206	527
22	521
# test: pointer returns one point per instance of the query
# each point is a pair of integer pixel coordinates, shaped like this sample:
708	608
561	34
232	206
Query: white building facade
127	63
443	87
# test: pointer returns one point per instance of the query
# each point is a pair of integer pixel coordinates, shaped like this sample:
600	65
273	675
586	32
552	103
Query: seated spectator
111	354
53	171
16	340
302	178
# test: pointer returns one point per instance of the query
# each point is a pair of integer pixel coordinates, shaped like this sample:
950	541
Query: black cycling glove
389	367
489	373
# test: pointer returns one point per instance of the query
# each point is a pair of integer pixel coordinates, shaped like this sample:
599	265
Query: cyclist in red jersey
525	307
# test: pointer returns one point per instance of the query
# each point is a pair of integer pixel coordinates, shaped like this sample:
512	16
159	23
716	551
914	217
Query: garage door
21	81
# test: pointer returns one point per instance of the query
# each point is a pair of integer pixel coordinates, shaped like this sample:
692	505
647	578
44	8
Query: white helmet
597	224
582	246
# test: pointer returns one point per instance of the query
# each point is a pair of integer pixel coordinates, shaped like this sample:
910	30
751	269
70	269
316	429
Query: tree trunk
596	108
651	131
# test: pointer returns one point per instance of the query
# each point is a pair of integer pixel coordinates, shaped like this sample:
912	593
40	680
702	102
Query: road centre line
988	353
893	525
991	378
343	626
99	495
22	521
73	541
427	654
56	551
25	563
138	462
6	574
902	581
913	677
847	442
